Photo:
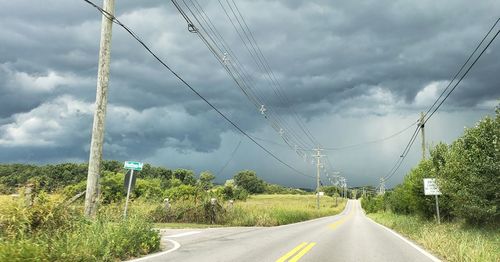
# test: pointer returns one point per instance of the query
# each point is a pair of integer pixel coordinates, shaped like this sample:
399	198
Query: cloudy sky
353	71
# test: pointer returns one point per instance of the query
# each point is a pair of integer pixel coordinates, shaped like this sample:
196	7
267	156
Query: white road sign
430	187
133	165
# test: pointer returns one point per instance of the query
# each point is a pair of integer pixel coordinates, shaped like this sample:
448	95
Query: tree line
152	182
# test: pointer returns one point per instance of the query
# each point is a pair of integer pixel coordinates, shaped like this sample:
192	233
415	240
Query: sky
349	71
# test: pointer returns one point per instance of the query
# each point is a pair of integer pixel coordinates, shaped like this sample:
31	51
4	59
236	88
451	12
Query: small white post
437	210
128	192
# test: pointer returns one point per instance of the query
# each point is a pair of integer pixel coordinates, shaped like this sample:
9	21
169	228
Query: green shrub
49	231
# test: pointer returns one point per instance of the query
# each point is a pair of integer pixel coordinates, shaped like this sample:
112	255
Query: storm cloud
353	71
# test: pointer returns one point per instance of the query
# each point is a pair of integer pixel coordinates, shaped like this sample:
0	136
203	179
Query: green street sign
132	165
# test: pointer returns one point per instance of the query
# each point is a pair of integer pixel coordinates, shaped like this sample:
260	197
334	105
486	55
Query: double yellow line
298	252
342	220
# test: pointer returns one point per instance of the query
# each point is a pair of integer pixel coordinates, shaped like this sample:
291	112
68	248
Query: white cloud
427	95
38	83
47	125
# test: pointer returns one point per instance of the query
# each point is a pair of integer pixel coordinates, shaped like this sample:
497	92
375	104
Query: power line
461	68
403	155
219	42
230	158
256	55
372	141
137	38
414	136
467	71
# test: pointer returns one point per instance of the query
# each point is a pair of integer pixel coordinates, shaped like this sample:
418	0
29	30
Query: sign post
130	165
431	189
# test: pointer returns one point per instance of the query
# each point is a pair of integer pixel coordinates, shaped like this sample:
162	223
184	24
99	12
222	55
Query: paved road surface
349	236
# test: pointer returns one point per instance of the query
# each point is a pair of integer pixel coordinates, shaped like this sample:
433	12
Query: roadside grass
274	210
50	231
450	241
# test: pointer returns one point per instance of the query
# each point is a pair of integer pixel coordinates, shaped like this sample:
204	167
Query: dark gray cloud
348	68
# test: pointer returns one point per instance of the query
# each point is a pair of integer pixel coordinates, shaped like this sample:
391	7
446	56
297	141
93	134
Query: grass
274	210
49	231
450	241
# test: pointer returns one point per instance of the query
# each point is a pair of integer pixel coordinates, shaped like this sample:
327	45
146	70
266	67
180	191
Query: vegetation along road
349	236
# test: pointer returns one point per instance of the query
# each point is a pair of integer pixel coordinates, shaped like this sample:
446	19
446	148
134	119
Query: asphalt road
349	236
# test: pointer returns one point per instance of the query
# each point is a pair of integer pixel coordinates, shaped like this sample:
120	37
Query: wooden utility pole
422	125
423	134
92	193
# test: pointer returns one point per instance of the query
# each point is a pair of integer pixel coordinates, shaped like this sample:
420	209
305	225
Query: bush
187	211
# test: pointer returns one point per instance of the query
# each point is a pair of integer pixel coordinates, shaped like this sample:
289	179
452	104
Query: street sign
430	187
132	165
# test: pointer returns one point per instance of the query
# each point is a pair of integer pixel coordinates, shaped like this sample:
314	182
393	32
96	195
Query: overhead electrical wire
460	70
137	38
230	158
434	109
275	120
255	53
371	141
467	71
253	50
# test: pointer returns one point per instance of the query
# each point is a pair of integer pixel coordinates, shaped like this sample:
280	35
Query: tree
471	175
248	180
206	180
185	176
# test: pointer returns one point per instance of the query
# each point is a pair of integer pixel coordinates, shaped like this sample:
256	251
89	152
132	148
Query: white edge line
427	254
185	234
176	246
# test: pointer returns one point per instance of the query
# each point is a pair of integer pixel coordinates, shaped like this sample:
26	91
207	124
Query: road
349	236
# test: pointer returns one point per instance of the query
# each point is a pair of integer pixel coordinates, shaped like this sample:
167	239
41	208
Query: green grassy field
267	210
450	241
273	210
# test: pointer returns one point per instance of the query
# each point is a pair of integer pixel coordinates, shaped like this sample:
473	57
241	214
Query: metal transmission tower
382	186
318	156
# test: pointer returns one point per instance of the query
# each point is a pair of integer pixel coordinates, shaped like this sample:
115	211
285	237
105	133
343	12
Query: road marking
342	220
176	246
302	253
289	254
302	249
427	254
185	234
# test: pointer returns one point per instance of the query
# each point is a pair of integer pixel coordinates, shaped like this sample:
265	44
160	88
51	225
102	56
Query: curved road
349	236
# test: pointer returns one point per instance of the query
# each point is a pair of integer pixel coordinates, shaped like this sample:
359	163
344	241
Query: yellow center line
289	254
302	252
342	220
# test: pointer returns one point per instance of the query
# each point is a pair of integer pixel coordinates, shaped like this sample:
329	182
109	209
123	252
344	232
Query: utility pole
318	164
423	134
422	125
95	158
